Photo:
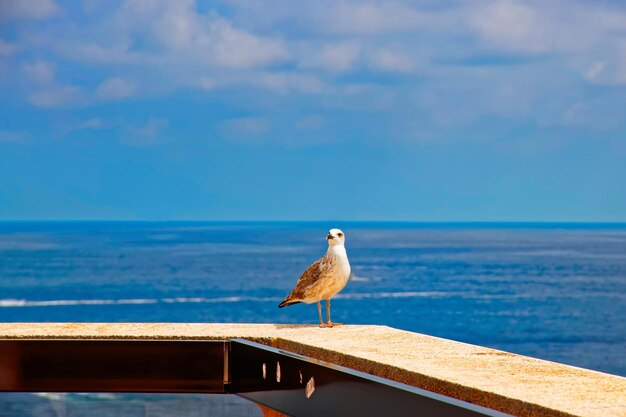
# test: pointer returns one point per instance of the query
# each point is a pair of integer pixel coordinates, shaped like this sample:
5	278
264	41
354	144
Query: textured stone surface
504	381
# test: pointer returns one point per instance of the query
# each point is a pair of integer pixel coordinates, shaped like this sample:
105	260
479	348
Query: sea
555	291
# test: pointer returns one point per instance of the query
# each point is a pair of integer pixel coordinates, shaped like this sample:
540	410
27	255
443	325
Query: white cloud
93	123
91	52
347	17
247	125
365	96
115	89
312	122
390	61
90	6
598	113
584	38
239	49
502	58
351	56
512	24
288	82
575	114
48	92
372	17
177	29
6	48
338	57
40	71
27	9
168	24
169	46
89	124
56	95
610	66
540	27
147	134
206	83
152	128
595	70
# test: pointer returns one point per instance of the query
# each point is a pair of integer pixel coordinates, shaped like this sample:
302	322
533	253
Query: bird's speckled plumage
324	278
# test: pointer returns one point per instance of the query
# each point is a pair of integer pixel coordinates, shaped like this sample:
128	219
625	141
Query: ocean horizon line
403	223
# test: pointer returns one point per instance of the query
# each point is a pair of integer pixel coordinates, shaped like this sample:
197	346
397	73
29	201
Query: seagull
323	278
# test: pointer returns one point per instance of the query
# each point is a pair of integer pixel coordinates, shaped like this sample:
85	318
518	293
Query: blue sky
482	110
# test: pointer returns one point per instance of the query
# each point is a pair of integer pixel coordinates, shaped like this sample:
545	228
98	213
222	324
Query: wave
10	302
16	303
234	299
396	294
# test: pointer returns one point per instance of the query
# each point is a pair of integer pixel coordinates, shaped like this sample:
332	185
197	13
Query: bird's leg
328	322
319	313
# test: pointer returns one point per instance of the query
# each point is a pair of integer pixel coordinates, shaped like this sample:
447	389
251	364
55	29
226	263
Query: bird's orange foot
331	324
325	325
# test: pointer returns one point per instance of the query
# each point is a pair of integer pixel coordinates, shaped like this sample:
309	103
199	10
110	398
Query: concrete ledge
503	381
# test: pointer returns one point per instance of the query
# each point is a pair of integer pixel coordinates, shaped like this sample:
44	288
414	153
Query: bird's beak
329	237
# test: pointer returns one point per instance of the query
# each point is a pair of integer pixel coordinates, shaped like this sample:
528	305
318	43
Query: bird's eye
339	234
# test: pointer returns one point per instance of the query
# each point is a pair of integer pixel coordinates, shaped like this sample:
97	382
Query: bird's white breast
337	272
341	265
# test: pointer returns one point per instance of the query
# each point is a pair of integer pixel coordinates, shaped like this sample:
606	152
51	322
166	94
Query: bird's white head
335	237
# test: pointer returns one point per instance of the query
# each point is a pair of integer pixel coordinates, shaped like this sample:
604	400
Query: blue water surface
553	291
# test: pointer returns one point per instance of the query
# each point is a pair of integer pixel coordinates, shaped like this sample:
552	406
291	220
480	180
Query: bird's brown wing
309	277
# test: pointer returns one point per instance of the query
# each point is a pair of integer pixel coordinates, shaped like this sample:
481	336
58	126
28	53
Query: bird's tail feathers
287	302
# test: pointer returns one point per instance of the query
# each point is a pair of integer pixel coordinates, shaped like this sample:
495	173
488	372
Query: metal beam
301	386
284	381
112	366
